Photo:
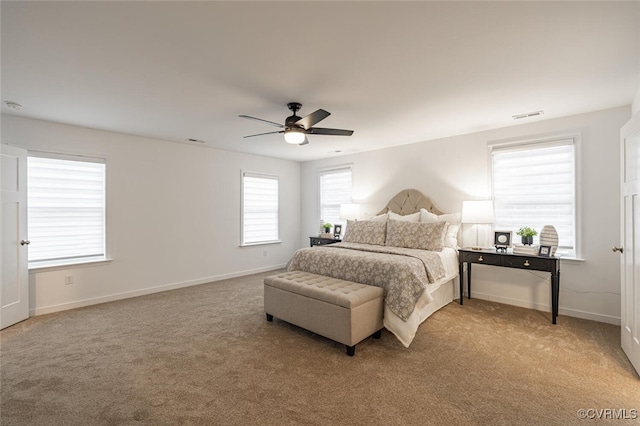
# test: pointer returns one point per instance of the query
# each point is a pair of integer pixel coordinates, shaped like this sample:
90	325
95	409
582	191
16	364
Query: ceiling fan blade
315	117
260	119
268	133
332	132
306	141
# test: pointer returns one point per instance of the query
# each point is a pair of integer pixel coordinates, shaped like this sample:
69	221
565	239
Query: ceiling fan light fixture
294	136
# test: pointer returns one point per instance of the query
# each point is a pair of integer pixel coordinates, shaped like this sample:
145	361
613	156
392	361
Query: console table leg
461	277
555	290
468	280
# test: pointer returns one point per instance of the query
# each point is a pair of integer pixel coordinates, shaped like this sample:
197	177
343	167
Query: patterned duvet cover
403	273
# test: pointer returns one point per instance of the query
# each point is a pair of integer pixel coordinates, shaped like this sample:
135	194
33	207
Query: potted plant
527	235
327	228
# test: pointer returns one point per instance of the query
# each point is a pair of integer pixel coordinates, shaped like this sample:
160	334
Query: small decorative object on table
545	251
502	240
337	230
527	235
327	228
532	249
549	237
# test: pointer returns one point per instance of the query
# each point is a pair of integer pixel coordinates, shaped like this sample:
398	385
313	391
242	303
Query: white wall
173	214
635	106
455	169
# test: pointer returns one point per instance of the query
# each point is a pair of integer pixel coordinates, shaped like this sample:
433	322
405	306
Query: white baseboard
149	290
547	308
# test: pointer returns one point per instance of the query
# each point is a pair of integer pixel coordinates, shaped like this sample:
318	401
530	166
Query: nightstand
509	260
321	241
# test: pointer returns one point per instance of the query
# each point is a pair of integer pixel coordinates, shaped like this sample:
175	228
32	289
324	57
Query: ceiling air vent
13	105
527	115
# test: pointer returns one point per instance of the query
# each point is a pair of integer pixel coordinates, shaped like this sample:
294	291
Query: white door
14	294
630	233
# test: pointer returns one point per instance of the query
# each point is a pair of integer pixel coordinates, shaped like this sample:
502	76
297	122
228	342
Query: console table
510	260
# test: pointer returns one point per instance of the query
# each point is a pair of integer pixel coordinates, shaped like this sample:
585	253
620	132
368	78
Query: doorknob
25	242
615	249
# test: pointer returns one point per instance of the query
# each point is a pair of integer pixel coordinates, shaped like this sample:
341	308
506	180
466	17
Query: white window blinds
534	185
259	208
335	189
66	209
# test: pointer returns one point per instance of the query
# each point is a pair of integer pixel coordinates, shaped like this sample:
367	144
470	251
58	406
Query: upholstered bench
340	310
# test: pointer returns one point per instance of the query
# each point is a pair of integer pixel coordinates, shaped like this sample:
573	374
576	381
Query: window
535	185
66	209
335	189
259	209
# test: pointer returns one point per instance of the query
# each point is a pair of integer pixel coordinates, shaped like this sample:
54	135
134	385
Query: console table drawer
483	258
321	241
523	262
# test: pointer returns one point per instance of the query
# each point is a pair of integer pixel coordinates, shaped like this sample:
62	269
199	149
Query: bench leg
269	317
377	334
351	350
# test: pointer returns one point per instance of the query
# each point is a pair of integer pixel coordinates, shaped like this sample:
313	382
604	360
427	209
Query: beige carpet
206	355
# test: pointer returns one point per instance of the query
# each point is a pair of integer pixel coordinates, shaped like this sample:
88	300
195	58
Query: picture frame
502	240
337	231
544	251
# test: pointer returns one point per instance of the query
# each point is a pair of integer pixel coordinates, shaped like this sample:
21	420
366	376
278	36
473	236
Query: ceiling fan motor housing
290	121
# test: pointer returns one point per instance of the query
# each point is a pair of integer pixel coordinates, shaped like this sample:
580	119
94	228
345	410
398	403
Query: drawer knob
526	263
480	259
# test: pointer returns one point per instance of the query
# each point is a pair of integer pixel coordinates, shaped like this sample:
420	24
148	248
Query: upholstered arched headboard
410	201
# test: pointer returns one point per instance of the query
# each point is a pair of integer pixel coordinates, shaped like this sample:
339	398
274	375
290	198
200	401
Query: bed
409	248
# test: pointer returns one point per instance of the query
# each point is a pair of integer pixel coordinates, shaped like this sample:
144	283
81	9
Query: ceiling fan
296	129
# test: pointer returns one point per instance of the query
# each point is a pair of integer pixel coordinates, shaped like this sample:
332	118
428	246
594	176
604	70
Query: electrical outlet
264	252
68	279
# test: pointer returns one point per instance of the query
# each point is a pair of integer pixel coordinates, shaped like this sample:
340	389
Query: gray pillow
365	232
419	235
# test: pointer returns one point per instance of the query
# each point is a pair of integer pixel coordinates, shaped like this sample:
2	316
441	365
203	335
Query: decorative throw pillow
415	217
366	232
454	219
419	235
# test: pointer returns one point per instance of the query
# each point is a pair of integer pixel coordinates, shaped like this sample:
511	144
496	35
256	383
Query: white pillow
415	217
427	216
382	217
454	219
451	236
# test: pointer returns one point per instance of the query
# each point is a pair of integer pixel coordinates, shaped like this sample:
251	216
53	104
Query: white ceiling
394	72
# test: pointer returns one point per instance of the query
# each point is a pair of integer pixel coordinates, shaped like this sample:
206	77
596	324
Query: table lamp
477	212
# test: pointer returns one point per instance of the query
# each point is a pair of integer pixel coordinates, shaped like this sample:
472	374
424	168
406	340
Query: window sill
58	265
260	244
572	259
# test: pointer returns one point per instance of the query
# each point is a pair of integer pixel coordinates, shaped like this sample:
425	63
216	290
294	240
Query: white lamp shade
349	211
477	211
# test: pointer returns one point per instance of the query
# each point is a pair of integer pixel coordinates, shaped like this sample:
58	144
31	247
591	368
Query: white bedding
441	292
